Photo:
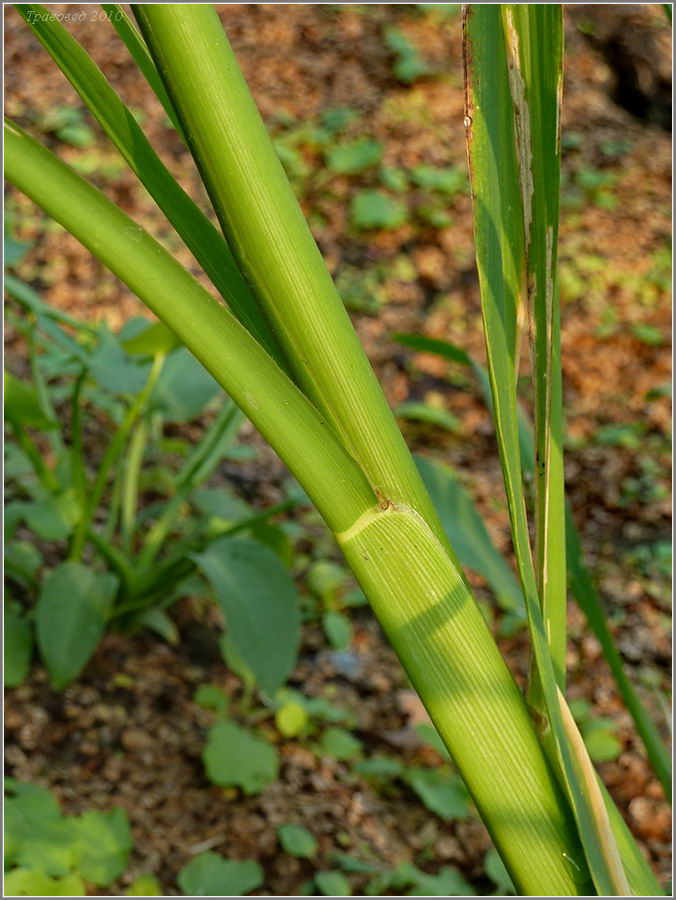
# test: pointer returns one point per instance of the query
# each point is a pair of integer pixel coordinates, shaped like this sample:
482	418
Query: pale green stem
416	590
270	238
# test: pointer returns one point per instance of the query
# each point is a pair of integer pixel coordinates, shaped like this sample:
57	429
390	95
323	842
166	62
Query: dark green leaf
18	638
498	874
113	370
71	614
379	767
260	605
209	875
442	793
184	388
467	532
340	743
233	756
333	884
297	841
448	181
354	157
104	845
22	406
375	209
156	338
338	630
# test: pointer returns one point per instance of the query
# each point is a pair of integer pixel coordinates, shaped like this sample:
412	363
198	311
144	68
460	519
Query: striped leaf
507	213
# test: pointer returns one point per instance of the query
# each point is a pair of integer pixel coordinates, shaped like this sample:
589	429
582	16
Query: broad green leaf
18	638
104	845
33	883
423	344
356	156
22	560
394	179
221	503
297	841
379	767
71	613
339	743
209	696
184	388
601	742
467	533
441	792
37	837
54	517
375	209
448	882
156	338
428	414
498	874
209	875
338	629
408	65
14	250
446	181
333	884
22	405
260	605
200	236
144	886
113	370
233	756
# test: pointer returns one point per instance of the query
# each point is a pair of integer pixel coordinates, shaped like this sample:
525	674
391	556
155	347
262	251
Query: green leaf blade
71	613
260	605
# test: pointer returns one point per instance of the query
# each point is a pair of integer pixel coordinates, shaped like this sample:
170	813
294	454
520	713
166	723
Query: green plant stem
416	590
178	565
198	467
114	559
255	382
112	454
47	478
533	37
270	238
130	484
113	506
54	436
77	467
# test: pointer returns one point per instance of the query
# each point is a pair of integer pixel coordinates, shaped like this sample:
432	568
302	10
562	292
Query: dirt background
127	732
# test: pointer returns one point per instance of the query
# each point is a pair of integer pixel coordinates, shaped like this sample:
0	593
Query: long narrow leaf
138	50
534	45
581	582
206	327
199	235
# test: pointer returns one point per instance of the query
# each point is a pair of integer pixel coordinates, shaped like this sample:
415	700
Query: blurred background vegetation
174	753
